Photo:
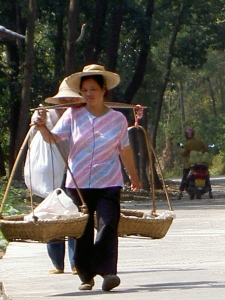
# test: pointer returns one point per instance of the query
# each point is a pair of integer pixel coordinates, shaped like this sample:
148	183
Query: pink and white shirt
94	144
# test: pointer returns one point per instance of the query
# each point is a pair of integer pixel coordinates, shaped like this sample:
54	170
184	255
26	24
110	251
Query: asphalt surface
188	263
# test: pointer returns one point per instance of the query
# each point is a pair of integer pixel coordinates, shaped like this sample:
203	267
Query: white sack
44	166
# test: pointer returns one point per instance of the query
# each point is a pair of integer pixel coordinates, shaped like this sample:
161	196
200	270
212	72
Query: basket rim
14	219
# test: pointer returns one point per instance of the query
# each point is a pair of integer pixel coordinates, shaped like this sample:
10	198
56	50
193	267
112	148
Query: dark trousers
184	177
99	255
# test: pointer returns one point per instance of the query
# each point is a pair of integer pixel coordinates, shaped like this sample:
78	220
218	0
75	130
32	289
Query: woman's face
92	92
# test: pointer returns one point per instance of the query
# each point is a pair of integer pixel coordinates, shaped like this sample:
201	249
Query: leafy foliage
198	59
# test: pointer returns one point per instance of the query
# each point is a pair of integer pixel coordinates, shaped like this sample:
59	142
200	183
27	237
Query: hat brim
59	100
111	79
71	95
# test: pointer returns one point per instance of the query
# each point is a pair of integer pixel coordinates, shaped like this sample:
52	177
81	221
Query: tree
140	67
13	51
149	44
25	96
94	45
72	34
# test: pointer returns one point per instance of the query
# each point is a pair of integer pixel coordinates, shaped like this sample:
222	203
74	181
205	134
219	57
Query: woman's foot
54	270
110	281
87	286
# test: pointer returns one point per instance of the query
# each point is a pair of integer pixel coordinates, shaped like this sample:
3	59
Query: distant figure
192	143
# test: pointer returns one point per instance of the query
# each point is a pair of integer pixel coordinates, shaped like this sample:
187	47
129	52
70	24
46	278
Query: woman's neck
97	111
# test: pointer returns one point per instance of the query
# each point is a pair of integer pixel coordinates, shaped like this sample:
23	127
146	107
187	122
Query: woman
98	140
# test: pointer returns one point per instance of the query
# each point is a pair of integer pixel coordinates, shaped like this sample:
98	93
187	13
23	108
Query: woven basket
132	223
14	228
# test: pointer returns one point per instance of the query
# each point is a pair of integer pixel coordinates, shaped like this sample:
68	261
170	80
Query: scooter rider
192	143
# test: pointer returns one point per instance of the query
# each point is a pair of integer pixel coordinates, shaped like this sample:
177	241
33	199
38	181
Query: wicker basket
14	228
133	223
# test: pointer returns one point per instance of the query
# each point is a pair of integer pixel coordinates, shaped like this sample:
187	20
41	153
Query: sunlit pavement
188	263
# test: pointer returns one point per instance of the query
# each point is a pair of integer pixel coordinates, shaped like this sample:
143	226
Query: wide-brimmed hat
65	92
111	79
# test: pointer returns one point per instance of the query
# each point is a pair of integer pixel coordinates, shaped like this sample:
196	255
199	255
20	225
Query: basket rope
14	228
83	207
131	222
138	113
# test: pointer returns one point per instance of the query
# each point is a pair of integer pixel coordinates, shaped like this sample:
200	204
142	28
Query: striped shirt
94	144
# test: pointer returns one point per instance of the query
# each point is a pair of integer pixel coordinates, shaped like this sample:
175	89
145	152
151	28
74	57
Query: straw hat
65	92
111	79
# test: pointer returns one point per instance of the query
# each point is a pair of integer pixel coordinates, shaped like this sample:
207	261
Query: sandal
74	271
56	271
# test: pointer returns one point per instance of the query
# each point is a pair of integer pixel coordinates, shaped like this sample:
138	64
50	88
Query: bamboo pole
78	104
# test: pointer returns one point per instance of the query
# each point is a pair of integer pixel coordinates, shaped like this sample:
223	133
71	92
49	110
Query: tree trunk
221	87
212	96
113	43
72	34
168	155
139	147
145	172
2	163
144	163
59	48
14	103
139	73
167	75
114	36
95	39
181	90
25	95
164	85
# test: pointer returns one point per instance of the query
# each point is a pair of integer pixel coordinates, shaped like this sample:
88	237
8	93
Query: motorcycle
197	182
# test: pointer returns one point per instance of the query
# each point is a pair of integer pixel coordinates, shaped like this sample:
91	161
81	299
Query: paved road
189	263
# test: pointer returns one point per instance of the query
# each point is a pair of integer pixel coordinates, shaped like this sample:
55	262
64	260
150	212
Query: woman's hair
98	78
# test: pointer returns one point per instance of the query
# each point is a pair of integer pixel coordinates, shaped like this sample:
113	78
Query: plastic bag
168	214
44	165
57	205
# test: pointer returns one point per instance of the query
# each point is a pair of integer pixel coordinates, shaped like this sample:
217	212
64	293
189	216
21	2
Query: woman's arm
126	155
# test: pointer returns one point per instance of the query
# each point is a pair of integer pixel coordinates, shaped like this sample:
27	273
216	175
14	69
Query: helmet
189	133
